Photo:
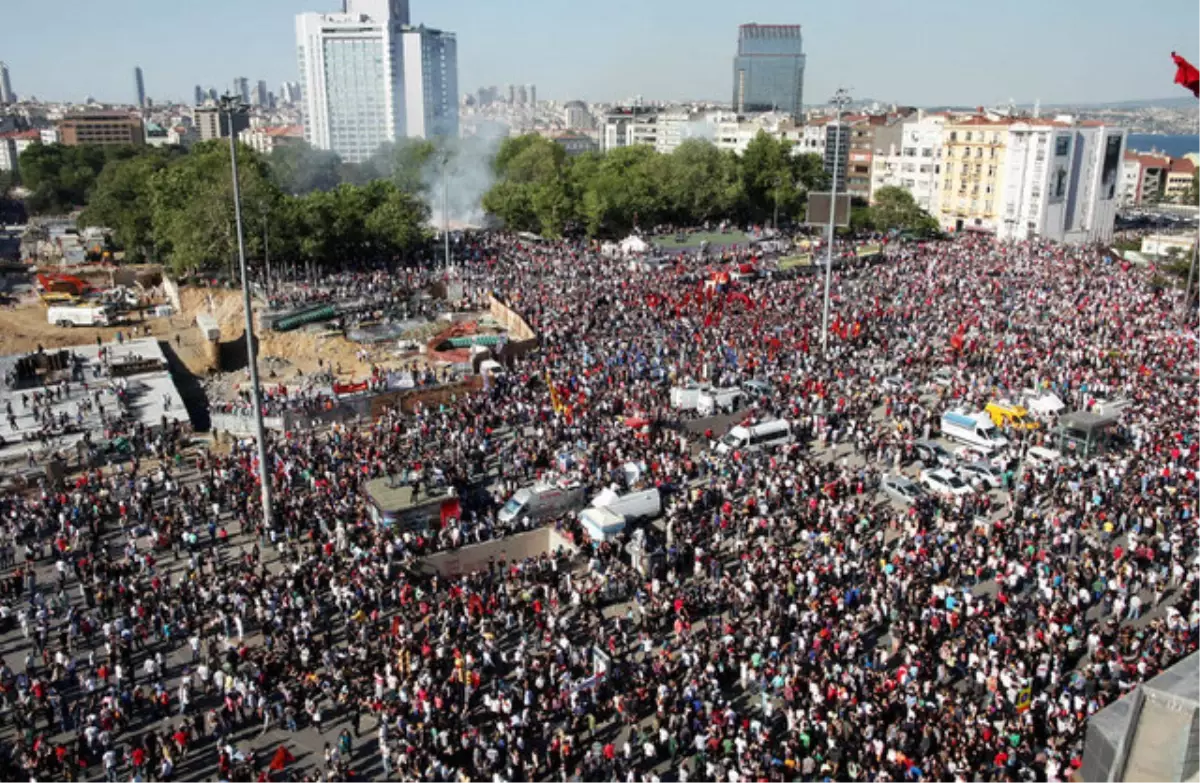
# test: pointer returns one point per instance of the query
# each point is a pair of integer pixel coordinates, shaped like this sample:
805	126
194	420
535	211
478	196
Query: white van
713	401
761	436
645	504
973	429
687	396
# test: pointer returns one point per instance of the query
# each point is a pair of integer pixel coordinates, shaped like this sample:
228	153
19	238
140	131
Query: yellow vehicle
58	298
1006	414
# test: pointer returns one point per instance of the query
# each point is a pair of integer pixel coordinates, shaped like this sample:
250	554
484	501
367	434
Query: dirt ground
23	328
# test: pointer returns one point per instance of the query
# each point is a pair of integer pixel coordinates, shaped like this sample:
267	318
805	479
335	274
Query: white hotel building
367	77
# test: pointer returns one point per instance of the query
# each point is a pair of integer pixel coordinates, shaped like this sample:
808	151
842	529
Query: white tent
633	244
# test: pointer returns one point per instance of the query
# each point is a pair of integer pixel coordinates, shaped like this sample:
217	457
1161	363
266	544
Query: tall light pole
266	255
1192	272
446	208
840	99
231	106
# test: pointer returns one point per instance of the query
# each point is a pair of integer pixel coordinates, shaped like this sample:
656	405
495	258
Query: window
1062	145
910	152
967	150
968	135
953	136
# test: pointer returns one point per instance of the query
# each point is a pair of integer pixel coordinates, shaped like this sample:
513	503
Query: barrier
515	548
521	337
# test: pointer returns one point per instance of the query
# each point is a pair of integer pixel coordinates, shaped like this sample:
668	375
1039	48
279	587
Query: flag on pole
1186	74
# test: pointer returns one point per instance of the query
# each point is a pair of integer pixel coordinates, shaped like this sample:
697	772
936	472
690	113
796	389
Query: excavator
61	289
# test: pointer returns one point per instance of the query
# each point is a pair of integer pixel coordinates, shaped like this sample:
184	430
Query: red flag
1186	74
281	758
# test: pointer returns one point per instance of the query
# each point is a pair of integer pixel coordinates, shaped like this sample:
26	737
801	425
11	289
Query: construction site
321	350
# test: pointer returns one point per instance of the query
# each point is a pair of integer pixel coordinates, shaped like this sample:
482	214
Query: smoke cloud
468	176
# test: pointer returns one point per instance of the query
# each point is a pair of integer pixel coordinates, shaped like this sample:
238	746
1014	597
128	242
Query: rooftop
150	395
390	495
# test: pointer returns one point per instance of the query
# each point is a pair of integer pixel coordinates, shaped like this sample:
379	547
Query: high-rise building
512	94
260	94
241	88
6	91
139	85
198	95
430	82
522	96
212	93
394	10
351	77
768	71
532	90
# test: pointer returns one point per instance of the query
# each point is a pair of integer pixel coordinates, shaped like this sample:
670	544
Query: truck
1005	413
643	504
973	429
87	315
687	396
714	401
610	513
543	500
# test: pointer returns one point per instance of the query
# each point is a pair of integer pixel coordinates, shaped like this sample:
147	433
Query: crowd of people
789	623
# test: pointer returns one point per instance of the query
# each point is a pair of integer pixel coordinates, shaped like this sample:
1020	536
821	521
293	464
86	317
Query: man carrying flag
1186	74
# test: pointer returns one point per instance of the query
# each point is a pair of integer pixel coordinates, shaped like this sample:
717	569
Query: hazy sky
925	52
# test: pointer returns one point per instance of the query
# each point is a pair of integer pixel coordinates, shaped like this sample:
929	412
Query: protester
791	625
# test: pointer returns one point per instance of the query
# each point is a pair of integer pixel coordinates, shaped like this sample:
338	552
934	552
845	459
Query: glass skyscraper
768	71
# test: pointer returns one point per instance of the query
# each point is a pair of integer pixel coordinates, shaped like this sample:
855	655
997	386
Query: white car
944	482
900	489
943	377
981	475
1040	457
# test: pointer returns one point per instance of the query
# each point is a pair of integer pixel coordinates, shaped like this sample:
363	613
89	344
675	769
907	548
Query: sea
1175	146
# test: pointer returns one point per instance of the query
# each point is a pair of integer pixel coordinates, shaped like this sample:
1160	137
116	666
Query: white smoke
467	163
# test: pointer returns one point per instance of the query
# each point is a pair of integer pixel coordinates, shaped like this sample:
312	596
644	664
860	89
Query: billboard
818	210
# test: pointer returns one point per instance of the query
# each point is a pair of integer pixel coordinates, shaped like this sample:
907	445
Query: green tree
121	200
60	177
532	190
701	183
895	209
192	205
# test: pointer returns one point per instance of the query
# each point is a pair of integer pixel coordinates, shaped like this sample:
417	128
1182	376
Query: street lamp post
1192	272
266	253
840	99
231	106
446	208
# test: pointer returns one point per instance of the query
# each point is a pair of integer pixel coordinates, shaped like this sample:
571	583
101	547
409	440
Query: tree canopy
539	188
60	178
177	207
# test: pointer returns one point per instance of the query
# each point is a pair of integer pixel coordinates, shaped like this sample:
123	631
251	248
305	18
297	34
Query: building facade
768	71
837	151
267	139
351	82
12	144
430	82
912	160
973	154
211	123
103	128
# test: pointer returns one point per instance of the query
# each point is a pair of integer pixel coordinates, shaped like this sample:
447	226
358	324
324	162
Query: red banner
349	388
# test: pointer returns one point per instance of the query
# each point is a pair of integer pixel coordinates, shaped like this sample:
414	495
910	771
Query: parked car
944	481
930	453
901	489
1041	457
981	475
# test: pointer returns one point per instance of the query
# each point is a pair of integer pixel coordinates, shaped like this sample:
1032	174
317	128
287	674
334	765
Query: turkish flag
1186	74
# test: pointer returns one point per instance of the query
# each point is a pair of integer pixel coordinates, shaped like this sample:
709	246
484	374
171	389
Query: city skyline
683	50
